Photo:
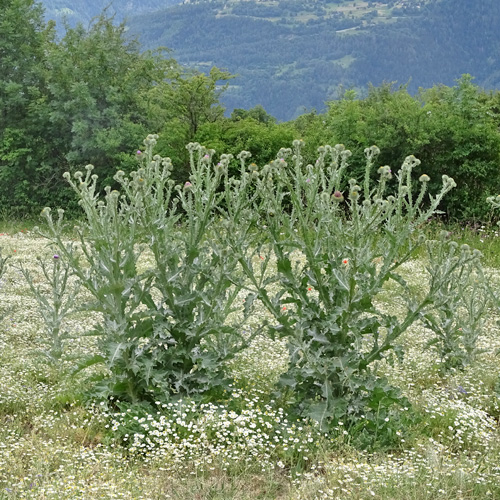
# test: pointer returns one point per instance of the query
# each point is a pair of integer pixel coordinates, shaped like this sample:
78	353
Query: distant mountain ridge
293	55
83	11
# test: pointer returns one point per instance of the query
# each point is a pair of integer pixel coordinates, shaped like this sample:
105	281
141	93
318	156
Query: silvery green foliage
163	331
334	253
3	263
54	307
459	302
491	289
3	268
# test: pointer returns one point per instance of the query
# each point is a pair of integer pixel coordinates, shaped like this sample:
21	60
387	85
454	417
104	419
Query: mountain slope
83	11
292	55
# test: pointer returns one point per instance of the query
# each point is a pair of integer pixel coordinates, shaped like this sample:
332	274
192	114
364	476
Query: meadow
403	403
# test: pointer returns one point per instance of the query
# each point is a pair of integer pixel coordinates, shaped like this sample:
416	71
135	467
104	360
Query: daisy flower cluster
189	436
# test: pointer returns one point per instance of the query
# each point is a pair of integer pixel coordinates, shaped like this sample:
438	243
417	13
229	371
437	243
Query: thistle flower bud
89	167
411	162
371	152
187	185
67	176
243	155
448	182
385	172
192	147
78	175
298	143
151	139
226	157
424	178
338	196
284	153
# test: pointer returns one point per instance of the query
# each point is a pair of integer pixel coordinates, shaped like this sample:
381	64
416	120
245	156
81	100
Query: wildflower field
296	345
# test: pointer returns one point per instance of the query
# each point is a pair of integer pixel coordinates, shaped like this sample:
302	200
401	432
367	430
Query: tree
65	104
262	140
257	113
98	90
187	103
464	142
24	37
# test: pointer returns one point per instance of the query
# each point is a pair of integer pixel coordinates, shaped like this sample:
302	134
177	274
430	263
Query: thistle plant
459	302
3	268
163	332
335	250
105	259
3	263
54	306
490	287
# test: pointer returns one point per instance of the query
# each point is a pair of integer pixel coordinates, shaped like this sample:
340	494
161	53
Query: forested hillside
290	56
294	55
83	11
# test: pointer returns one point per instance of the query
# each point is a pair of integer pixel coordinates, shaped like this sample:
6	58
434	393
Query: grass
55	445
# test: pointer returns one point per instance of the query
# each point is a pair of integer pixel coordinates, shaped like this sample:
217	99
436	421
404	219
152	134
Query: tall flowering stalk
55	306
455	276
